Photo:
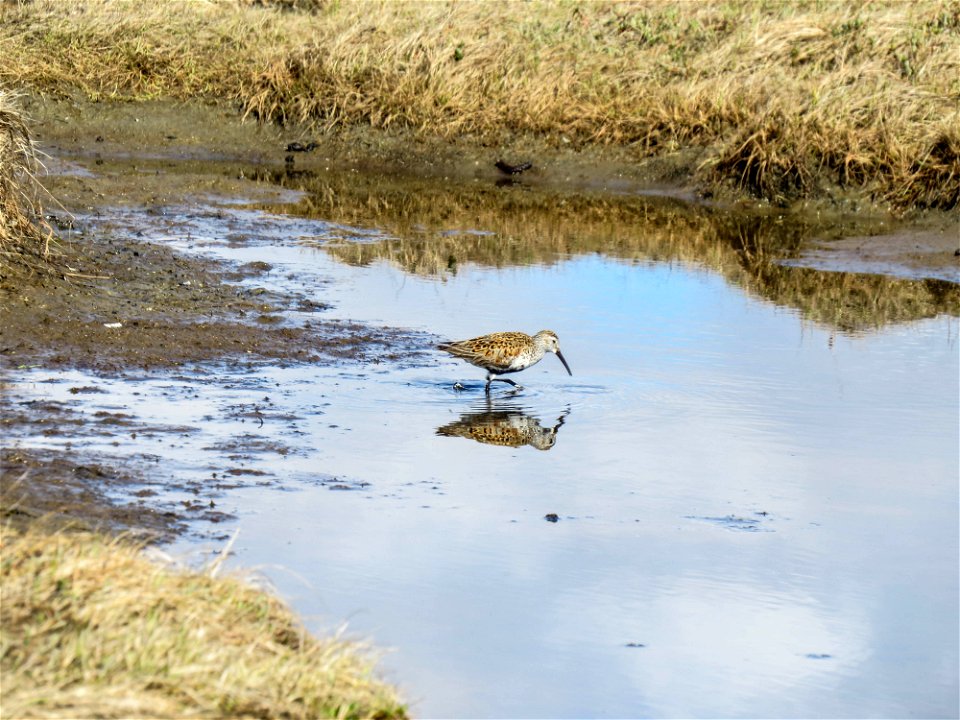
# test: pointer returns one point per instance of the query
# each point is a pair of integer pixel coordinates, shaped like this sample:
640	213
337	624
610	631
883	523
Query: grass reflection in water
432	229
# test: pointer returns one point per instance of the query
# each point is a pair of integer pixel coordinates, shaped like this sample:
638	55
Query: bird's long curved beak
560	355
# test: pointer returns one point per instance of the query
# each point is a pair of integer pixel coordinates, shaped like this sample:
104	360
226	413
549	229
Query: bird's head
549	341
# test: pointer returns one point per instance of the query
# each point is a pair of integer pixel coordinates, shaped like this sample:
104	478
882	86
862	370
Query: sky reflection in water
756	518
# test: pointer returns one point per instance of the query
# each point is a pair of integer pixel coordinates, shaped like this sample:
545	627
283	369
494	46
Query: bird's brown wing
494	352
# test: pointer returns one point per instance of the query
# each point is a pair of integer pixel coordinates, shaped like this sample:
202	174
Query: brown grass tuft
24	235
92	628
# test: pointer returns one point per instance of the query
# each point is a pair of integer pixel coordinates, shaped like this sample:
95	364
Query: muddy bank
120	303
142	310
113	302
80	492
932	250
207	132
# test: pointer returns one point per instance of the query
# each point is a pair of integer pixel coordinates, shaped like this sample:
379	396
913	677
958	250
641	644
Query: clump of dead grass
24	236
92	628
786	100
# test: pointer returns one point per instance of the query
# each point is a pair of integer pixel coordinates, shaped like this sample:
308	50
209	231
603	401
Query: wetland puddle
743	503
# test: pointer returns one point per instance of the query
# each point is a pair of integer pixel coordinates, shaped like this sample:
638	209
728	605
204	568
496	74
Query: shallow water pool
733	508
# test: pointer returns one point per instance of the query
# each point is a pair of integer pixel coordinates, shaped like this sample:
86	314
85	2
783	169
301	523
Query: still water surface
757	515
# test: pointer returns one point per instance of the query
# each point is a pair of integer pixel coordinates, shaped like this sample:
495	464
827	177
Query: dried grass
788	100
92	628
24	235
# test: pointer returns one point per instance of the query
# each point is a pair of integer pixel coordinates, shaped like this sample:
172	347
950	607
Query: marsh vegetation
777	100
24	235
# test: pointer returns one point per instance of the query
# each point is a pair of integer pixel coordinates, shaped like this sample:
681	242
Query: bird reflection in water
505	425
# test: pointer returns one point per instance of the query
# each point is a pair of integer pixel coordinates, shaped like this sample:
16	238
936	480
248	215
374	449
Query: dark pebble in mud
255	267
551	517
84	471
213	516
312	306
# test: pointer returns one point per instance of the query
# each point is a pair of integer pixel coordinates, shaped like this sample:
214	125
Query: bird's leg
491	378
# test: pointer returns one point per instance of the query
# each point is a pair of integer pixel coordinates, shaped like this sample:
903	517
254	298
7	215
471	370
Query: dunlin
506	352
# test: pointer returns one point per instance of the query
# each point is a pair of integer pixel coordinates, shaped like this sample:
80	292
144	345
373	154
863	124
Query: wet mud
929	252
86	493
118	304
128	304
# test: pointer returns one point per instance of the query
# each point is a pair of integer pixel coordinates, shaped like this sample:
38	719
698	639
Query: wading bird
505	352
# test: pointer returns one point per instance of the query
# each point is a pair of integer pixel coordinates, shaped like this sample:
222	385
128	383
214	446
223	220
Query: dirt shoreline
118	304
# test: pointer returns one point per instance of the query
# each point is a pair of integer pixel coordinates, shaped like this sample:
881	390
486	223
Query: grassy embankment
92	628
780	100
